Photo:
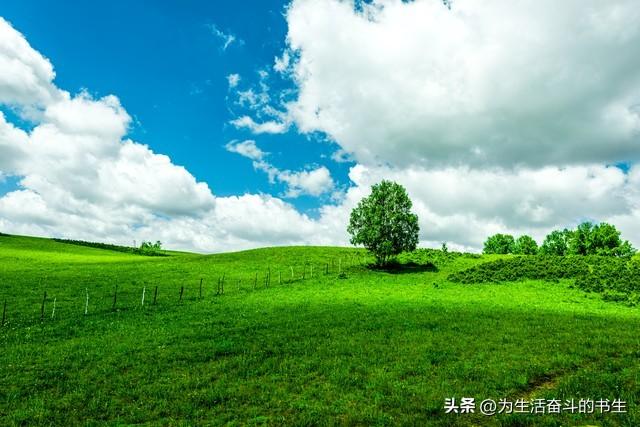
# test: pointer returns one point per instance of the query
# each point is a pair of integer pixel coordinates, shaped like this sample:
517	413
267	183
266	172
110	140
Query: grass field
363	347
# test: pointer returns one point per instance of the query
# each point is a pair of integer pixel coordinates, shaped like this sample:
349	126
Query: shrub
522	268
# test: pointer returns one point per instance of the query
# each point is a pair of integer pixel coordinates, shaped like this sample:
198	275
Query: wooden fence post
44	298
155	295
181	292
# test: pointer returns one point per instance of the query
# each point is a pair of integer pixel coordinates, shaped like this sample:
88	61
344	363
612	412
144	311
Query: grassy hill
343	345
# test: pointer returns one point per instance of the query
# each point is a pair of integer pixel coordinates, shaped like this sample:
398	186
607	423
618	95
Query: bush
613	274
614	296
602	274
522	268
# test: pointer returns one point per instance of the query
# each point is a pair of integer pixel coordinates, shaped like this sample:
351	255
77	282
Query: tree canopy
499	244
525	245
587	239
383	222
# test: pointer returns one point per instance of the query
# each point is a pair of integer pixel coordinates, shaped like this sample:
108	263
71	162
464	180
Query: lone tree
383	222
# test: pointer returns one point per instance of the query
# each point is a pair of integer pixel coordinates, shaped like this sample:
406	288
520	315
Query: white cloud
281	64
26	77
12	143
270	126
82	115
233	80
314	182
341	156
247	148
486	83
227	38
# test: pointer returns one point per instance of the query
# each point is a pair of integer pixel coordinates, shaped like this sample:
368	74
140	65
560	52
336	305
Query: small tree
499	244
383	222
525	245
150	248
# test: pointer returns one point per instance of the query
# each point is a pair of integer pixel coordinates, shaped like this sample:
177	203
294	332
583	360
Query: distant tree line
587	239
146	248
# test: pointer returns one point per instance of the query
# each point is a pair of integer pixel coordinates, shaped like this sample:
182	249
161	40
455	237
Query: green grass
365	348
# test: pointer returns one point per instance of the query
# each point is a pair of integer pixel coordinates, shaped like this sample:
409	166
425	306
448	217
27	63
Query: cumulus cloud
269	126
314	182
26	77
497	83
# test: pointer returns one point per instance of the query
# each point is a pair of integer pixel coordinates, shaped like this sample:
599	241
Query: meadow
344	345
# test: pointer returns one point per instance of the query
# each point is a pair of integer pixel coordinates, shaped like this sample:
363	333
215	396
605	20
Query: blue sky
169	68
119	122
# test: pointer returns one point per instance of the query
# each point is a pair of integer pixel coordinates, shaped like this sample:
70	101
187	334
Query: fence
94	302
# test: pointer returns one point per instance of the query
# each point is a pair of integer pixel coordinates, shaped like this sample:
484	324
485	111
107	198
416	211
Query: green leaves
525	245
499	244
587	239
383	222
556	243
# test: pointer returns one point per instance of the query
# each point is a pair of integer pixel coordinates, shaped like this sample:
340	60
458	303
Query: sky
216	126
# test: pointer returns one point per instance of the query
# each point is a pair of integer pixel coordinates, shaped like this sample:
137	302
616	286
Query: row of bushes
618	279
147	248
523	268
616	275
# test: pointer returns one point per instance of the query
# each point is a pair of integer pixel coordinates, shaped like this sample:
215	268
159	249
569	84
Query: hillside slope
282	345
